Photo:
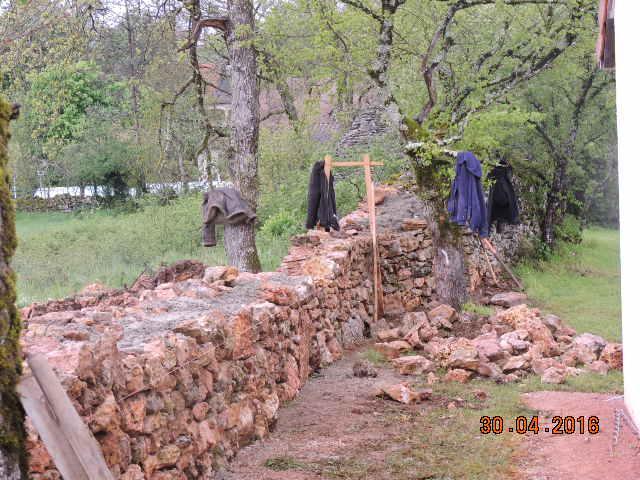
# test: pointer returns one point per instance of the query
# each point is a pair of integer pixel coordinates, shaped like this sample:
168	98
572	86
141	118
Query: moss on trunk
433	177
12	433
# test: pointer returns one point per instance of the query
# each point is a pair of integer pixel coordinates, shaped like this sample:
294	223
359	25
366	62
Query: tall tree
240	240
12	436
238	26
572	108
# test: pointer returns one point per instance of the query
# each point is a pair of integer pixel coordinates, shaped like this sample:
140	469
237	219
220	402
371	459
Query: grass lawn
60	253
581	283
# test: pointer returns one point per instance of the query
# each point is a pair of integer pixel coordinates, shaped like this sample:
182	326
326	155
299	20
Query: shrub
282	224
570	230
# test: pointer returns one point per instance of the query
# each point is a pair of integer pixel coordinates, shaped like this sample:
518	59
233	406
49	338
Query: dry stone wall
176	374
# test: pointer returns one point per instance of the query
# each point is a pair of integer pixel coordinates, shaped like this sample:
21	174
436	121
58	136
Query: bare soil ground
579	456
336	428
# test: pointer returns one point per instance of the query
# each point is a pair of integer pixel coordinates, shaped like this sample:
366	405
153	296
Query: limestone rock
488	346
442	316
612	355
364	368
393	349
508	299
554	375
518	362
490	370
413	365
389	335
540	365
464	356
403	394
458	375
598	367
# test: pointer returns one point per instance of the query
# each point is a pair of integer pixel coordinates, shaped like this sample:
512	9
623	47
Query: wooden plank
356	164
371	204
72	426
38	410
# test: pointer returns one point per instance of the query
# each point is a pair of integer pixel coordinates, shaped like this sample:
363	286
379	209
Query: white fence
102	191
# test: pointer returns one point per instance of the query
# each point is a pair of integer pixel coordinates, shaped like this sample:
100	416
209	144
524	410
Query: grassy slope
581	284
59	253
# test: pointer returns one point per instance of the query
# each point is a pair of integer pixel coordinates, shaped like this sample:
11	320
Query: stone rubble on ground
514	342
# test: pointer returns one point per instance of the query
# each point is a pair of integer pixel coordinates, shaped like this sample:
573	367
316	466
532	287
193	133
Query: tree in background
58	104
12	435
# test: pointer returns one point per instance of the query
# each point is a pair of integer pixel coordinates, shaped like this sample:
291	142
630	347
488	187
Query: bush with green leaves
570	230
282	224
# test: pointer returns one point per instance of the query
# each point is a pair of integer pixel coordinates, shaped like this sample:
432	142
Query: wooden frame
366	163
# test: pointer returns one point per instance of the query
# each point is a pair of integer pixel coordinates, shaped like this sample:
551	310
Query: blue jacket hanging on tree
466	204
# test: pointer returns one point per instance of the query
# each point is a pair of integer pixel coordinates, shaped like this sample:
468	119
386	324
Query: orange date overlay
560	425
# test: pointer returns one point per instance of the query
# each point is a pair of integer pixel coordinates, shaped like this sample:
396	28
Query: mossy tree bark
448	269
12	454
240	240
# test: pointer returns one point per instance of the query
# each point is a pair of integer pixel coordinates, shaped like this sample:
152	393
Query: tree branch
219	23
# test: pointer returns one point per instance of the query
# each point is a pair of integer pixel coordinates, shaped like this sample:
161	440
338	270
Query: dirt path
336	428
579	457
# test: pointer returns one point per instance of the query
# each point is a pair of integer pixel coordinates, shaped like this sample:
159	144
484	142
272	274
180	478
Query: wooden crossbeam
366	163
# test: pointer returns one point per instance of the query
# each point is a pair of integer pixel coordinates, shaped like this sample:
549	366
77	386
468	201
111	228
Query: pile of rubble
509	345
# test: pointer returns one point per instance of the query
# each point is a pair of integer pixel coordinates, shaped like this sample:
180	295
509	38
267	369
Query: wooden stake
486	257
377	297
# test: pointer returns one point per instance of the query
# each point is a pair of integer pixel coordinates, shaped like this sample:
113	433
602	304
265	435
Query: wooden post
69	441
366	163
371	203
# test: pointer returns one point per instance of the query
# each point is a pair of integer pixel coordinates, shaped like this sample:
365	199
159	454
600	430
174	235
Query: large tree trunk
240	240
448	269
12	454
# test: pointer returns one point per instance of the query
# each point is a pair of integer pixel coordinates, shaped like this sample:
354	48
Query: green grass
581	283
482	310
374	356
59	253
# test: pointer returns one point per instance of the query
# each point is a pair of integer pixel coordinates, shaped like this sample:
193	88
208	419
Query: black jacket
223	206
321	205
503	202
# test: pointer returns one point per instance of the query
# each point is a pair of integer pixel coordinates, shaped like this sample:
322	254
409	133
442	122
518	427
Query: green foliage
58	102
478	309
95	158
570	230
434	169
282	224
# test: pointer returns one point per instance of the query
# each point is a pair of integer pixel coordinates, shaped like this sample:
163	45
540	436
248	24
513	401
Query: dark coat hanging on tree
502	206
321	205
466	204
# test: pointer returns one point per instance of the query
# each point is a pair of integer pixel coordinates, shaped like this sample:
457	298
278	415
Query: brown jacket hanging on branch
223	206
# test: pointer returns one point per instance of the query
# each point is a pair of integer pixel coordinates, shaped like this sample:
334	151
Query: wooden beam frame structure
366	163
